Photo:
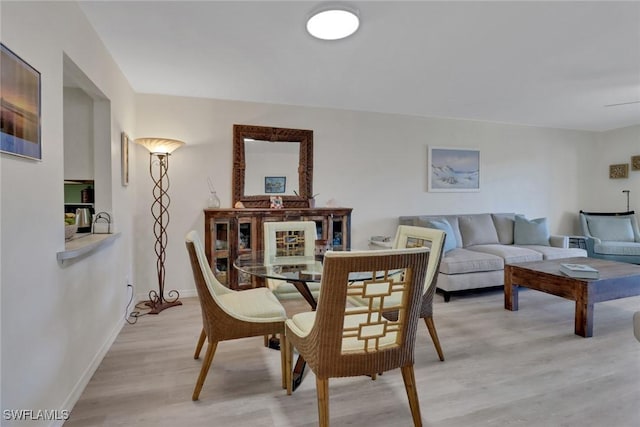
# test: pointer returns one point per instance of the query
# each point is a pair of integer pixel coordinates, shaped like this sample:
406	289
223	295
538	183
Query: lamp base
157	307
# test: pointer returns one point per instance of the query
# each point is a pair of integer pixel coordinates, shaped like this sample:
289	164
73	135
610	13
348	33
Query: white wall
78	134
604	194
58	320
374	163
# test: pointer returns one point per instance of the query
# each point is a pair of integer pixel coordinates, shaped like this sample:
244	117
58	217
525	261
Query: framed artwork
275	184
635	163
275	202
124	153
453	169
619	171
19	106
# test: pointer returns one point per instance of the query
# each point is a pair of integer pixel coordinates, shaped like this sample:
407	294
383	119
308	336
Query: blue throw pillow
530	231
442	224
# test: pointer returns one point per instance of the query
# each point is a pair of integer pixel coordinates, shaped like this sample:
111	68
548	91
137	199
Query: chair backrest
360	340
610	225
408	236
289	239
209	289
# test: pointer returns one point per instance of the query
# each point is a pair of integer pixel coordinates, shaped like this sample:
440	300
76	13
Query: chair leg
434	336
322	389
266	340
287	347
283	359
412	394
206	364
203	335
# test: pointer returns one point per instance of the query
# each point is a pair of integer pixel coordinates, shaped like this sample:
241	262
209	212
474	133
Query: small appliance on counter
102	223
83	220
84	215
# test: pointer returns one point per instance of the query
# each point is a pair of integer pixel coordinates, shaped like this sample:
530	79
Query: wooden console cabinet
232	232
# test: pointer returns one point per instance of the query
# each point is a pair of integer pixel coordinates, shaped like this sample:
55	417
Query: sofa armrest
559	241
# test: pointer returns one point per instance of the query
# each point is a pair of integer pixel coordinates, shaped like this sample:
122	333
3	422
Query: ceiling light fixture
333	24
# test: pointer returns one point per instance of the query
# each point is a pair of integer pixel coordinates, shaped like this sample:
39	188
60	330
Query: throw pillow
477	230
442	224
504	227
530	231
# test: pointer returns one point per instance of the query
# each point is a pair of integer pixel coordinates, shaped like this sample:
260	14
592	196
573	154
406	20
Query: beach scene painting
19	106
453	169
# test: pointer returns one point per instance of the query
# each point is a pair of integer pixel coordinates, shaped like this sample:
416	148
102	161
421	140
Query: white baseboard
79	387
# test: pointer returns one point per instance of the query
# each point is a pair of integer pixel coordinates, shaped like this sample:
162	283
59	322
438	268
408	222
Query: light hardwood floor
502	368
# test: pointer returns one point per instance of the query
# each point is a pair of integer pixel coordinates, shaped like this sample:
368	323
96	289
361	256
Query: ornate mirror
270	161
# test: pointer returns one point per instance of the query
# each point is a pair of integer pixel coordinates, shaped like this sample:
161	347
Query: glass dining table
297	270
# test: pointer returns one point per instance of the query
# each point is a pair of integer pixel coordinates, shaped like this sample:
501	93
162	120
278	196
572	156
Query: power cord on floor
134	314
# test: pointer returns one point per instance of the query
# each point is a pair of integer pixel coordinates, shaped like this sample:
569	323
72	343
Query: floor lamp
160	149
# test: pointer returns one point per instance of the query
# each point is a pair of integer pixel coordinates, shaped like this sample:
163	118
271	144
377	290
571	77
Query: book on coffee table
579	271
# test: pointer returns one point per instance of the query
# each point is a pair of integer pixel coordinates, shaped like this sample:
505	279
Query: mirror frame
273	134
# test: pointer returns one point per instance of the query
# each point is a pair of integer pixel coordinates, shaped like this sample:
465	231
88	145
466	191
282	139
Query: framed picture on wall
20	106
453	169
618	171
275	184
124	153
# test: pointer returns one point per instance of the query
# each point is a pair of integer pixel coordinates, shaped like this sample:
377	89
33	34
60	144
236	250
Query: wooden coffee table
617	280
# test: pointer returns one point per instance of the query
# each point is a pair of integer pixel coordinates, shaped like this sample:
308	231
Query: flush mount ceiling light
333	24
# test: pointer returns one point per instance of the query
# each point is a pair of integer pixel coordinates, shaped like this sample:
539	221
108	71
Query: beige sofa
483	243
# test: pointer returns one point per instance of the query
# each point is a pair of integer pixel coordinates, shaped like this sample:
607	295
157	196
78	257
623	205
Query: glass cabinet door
221	262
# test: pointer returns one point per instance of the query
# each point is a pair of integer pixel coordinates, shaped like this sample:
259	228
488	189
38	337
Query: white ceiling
551	64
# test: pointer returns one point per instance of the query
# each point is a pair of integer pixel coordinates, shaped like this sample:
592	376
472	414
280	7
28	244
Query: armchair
613	236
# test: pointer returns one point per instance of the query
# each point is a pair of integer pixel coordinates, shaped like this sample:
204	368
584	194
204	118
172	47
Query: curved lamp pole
160	149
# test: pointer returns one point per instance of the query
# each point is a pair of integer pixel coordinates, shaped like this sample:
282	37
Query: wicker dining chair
408	236
337	340
289	240
228	314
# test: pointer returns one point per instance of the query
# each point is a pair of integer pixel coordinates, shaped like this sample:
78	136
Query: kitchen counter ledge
83	244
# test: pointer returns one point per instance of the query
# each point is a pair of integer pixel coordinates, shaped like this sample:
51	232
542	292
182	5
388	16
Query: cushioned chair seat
617	248
253	305
511	254
285	290
550	252
460	261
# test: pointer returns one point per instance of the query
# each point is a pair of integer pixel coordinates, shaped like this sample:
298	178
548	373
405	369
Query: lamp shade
160	145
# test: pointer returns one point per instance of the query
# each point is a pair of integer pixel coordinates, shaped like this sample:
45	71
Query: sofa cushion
550	252
511	254
617	248
617	229
442	224
421	221
477	230
530	231
504	226
460	261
